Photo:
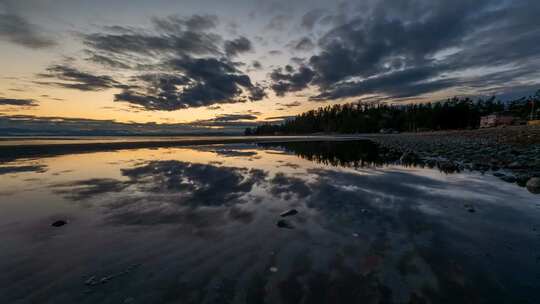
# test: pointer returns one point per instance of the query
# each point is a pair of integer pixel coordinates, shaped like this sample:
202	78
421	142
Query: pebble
284	224
289	213
533	185
59	223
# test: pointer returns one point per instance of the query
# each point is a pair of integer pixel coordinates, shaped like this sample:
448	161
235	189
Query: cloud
23	169
18	30
192	23
235	117
303	44
204	82
108	61
189	56
257	65
278	22
310	18
393	50
169	192
18	102
237	46
36	125
275	52
273	118
173	37
290	80
72	78
291	104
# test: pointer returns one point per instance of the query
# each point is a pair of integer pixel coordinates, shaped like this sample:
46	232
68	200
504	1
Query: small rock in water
284	224
508	179
470	208
355	235
409	157
59	223
498	174
289	212
273	269
91	281
533	185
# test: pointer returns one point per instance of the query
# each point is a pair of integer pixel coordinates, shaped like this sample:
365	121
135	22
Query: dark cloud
35	125
275	52
16	29
394	49
304	44
214	107
291	80
108	61
287	186
280	118
278	22
176	24
194	71
291	104
256	65
174	37
169	192
235	117
202	82
310	18
237	46
23	169
86	189
72	78
17	102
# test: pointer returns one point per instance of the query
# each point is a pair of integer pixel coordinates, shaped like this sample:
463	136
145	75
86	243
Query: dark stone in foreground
289	213
59	223
533	185
284	224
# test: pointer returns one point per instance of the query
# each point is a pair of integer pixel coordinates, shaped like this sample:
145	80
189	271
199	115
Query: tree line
454	113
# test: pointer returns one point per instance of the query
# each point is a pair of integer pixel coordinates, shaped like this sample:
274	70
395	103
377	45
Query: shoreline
511	153
18	148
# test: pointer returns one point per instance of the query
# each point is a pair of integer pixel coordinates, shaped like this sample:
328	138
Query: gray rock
289	212
59	223
533	185
409	157
284	224
508	179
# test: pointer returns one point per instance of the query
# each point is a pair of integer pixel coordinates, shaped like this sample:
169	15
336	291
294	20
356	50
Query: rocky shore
510	153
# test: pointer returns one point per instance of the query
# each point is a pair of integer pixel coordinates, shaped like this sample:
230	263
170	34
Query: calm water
198	225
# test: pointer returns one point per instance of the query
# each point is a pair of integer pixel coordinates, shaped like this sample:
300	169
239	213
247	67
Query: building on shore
497	119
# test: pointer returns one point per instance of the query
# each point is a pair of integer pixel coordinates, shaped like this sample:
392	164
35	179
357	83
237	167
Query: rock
448	166
59	223
273	269
409	157
91	281
284	224
470	208
498	174
515	165
508	179
289	212
533	185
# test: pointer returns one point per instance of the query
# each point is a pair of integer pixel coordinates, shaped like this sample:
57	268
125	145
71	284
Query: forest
454	113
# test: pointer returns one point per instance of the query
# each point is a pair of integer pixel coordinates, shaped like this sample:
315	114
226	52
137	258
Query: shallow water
198	225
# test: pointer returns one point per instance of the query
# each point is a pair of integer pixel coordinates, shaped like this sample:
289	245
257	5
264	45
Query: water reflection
200	224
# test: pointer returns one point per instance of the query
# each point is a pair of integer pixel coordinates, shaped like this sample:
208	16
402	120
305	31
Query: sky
213	65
